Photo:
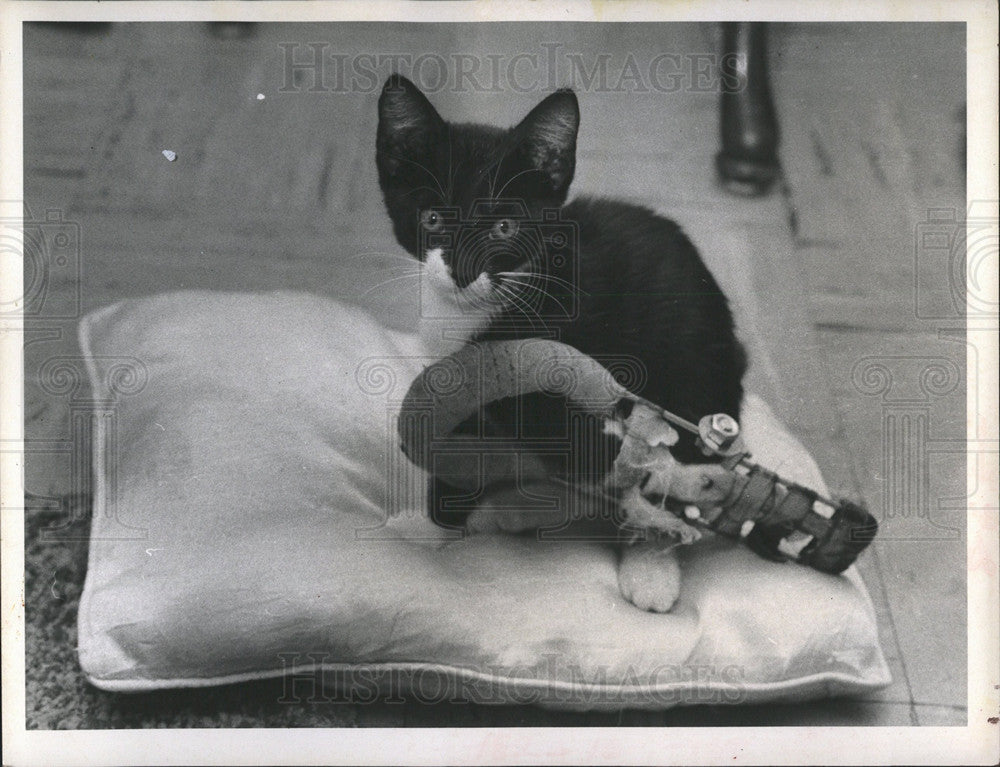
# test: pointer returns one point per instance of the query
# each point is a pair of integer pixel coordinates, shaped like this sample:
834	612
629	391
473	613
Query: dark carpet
57	696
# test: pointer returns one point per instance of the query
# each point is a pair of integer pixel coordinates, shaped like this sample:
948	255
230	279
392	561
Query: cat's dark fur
634	288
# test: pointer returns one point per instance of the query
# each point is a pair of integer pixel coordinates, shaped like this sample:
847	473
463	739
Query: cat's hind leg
512	509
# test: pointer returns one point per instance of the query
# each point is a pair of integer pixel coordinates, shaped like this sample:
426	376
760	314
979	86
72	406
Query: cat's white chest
449	317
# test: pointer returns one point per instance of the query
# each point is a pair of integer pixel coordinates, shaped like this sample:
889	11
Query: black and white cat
484	209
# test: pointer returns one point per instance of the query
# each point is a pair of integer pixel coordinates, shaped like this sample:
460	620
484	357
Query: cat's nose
505	260
483	257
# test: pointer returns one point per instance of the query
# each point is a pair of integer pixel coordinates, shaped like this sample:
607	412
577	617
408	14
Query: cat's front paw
649	575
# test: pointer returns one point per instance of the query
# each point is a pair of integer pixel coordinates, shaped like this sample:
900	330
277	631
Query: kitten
504	256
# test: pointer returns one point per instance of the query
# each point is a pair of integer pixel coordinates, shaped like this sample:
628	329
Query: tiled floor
865	165
821	275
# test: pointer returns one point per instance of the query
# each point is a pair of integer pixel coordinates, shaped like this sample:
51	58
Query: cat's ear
548	135
408	124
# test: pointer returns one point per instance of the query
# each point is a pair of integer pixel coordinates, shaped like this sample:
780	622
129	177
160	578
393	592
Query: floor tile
942	716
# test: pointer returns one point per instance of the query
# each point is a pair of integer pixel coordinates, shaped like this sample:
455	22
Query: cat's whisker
495	179
533	285
525	289
396	269
376	256
487	171
526	312
507	294
383	288
425	170
425	189
511	278
522	306
541	291
563	283
410	275
405	270
495	167
493	172
451	174
512	179
546	277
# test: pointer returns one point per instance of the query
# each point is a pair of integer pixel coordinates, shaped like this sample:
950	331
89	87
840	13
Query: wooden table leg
748	161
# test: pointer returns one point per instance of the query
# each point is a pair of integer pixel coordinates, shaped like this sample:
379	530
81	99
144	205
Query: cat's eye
504	229
431	221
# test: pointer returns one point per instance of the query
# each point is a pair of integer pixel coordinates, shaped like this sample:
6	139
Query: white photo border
977	743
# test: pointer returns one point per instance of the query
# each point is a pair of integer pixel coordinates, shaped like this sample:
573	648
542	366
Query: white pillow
243	475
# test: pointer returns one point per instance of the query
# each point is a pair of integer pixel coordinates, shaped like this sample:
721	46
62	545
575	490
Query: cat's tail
448	392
